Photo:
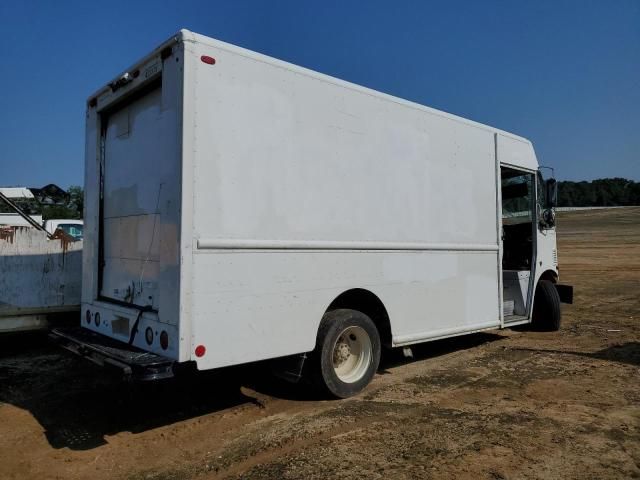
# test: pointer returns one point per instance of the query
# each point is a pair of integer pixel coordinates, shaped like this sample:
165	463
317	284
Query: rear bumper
135	364
565	292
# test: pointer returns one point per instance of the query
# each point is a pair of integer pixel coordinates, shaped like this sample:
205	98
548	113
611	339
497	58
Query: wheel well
368	303
549	275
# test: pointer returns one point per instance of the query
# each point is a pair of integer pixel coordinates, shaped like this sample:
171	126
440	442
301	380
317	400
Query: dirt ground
499	405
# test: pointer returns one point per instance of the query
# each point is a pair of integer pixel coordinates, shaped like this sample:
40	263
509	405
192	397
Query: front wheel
347	353
546	307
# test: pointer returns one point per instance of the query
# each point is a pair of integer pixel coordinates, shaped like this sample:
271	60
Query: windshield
72	229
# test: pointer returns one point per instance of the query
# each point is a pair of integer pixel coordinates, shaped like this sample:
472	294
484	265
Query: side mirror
552	193
548	218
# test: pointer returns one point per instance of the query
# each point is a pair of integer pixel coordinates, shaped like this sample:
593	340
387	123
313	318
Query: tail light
164	340
148	335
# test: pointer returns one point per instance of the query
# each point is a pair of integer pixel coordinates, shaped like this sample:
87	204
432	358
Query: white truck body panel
241	198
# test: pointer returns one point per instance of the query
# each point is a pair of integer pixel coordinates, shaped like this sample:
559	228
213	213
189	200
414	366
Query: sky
564	74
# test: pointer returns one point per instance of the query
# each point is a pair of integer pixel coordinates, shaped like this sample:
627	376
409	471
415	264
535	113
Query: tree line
74	208
603	192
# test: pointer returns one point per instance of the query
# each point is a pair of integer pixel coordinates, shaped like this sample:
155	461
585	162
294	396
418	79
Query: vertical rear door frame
499	229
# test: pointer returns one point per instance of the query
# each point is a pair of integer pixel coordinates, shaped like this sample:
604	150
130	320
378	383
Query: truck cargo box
233	199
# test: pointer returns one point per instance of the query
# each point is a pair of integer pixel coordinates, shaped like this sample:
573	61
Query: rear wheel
546	307
347	353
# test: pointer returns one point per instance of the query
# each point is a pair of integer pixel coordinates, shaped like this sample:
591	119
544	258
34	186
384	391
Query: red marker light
200	350
208	60
164	340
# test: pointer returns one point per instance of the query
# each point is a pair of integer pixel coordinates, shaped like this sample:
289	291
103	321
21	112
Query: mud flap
289	368
565	292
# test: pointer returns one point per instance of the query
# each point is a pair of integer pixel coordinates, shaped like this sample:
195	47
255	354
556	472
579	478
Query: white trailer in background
40	267
240	208
40	277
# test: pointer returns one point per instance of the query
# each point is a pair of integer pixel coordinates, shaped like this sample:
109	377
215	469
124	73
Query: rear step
134	363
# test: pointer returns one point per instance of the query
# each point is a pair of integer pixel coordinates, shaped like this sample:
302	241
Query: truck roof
16	192
185	35
70	221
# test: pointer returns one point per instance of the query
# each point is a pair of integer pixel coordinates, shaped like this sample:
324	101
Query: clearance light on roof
208	60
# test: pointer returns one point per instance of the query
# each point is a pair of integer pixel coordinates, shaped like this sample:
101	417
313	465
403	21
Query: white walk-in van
239	208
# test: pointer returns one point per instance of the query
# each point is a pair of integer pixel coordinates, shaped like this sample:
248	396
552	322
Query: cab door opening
518	242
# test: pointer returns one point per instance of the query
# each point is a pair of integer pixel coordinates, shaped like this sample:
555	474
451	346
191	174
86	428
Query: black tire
546	307
322	371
